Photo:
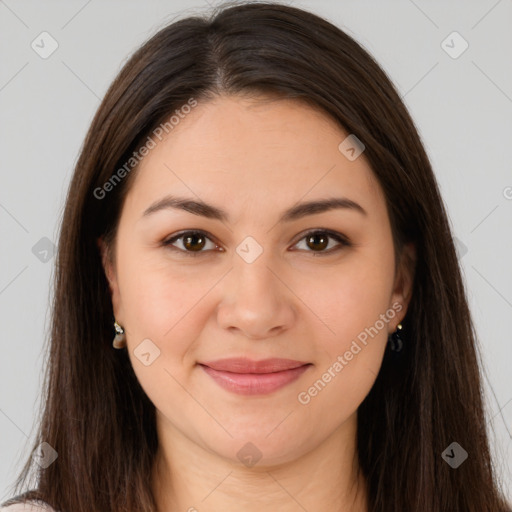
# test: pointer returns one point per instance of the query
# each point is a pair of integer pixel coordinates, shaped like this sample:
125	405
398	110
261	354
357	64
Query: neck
189	477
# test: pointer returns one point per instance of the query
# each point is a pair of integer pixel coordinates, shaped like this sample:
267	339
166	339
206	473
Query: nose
256	300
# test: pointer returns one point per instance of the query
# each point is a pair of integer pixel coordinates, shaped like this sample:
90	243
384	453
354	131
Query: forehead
237	148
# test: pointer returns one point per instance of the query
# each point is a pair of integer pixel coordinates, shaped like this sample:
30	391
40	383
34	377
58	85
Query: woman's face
255	283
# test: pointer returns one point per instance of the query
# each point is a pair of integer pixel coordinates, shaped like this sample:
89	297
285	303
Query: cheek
358	312
164	307
357	308
351	299
164	302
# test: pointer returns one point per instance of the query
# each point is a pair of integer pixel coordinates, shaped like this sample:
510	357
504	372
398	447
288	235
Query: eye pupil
193	242
187	241
313	239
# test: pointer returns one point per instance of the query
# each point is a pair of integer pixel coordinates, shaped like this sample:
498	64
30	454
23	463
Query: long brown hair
95	413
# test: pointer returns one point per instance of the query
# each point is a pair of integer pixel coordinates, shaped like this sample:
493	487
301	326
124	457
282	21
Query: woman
254	214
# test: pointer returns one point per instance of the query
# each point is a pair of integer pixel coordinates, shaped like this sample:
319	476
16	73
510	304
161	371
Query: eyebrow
212	212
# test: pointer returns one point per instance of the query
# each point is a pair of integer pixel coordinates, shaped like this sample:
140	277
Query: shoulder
29	506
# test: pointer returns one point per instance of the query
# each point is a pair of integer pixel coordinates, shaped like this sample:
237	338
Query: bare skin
297	300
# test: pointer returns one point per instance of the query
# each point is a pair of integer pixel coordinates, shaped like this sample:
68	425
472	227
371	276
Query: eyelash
341	239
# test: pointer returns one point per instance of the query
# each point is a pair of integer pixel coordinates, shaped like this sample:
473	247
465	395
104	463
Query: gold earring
120	338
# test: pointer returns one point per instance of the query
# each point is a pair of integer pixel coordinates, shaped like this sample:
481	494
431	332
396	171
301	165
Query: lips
245	365
249	377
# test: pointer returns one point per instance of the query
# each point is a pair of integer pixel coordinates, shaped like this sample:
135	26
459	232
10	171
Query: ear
111	275
402	290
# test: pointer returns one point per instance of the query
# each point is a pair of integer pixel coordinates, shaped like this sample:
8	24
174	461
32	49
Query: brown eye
319	240
193	243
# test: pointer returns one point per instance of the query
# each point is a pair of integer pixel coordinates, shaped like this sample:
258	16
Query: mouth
248	377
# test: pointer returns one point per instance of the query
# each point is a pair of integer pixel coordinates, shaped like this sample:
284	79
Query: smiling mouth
246	377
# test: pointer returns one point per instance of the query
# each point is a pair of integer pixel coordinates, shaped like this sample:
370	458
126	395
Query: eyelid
167	242
335	235
340	238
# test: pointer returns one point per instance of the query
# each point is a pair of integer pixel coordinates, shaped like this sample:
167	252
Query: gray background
462	107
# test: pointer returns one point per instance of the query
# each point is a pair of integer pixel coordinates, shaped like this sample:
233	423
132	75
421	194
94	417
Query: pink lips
248	377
